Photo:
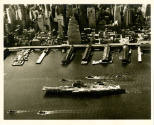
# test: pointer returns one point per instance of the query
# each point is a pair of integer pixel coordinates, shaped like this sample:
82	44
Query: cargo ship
69	56
125	54
78	88
87	55
106	54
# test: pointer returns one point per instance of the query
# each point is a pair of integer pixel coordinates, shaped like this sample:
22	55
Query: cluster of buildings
46	24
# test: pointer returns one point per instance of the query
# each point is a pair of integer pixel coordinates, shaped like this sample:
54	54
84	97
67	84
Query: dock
78	46
144	45
21	57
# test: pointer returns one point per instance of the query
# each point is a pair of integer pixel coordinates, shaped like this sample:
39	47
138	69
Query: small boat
16	111
45	112
96	62
11	111
93	77
84	62
63	80
78	88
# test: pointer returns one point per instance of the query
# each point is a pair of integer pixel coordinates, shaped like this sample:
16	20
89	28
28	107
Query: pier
106	54
139	54
42	56
144	45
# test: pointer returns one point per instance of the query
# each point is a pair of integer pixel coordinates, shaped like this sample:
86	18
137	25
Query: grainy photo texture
77	61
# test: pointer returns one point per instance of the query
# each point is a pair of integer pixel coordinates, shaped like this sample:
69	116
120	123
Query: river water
23	84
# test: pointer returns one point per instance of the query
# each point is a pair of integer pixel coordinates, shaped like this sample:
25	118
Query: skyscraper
73	32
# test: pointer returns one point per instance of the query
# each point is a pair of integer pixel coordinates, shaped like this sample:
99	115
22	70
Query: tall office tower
117	15
91	17
73	32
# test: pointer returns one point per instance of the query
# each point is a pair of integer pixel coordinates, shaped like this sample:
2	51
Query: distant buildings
69	20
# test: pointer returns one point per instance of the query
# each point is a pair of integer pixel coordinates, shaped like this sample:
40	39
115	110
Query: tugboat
78	88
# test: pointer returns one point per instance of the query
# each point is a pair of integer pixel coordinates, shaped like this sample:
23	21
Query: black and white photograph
77	61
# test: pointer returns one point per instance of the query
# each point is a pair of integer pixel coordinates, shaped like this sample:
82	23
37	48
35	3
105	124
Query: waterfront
22	88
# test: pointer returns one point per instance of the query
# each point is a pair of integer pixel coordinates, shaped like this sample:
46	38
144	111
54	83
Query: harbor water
23	87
